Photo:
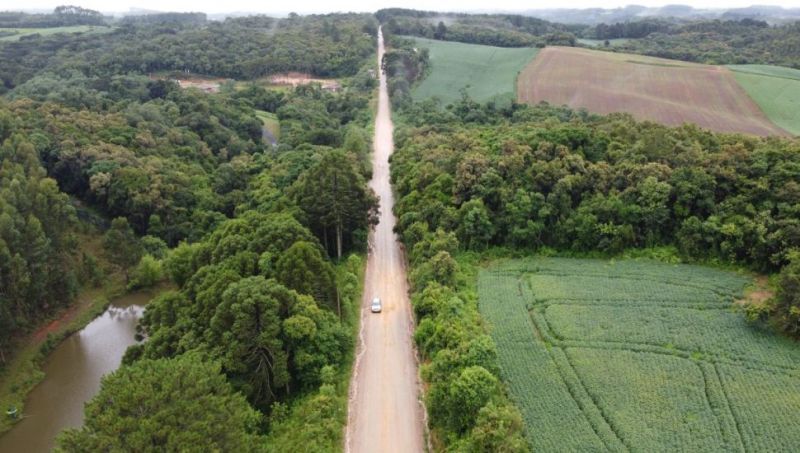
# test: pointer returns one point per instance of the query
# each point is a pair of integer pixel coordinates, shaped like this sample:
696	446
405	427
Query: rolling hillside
666	91
775	89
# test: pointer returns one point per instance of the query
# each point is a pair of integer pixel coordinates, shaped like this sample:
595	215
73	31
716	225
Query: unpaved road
385	413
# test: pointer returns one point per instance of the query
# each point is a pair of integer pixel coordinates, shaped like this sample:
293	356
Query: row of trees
745	41
62	16
533	177
502	30
39	270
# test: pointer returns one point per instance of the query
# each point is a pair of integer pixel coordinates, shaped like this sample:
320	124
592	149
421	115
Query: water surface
72	376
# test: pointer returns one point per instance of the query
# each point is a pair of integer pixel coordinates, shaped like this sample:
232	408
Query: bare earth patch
665	91
295	79
758	295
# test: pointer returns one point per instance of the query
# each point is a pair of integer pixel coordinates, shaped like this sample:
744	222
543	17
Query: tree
787	297
122	246
334	196
147	273
166	405
455	403
475	228
245	333
498	429
441	31
303	269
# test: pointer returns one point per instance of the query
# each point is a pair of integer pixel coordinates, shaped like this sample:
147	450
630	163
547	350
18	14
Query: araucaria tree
334	198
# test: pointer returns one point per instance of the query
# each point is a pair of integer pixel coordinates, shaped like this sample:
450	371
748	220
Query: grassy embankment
271	123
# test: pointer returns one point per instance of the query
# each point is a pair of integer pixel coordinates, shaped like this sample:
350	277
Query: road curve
385	413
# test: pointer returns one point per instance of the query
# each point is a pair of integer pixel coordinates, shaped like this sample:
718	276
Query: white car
376	305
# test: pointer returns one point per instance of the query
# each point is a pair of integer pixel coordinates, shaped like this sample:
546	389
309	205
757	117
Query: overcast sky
306	6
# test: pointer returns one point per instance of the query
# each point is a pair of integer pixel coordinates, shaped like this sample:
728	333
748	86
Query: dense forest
238	48
744	41
548	177
539	179
182	186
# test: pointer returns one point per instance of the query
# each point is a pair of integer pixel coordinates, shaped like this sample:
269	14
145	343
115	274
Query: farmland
638	355
666	91
14	34
775	89
486	72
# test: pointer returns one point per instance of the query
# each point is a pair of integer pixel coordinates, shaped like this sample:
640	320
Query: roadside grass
20	32
486	72
775	89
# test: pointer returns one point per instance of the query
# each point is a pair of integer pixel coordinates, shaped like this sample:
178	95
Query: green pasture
20	32
486	72
775	89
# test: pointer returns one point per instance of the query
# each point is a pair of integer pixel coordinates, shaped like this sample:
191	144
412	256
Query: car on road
376	305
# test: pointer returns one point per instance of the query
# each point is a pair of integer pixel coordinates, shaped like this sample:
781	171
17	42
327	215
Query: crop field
666	91
775	89
639	356
486	72
20	32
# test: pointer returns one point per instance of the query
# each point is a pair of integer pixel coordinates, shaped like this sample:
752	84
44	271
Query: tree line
502	30
62	16
744	41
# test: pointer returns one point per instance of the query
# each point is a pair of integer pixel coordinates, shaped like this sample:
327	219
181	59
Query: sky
309	6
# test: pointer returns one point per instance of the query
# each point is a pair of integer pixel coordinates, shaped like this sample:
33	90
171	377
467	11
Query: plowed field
666	91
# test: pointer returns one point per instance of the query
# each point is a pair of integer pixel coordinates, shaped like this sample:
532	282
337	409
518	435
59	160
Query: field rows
589	339
666	91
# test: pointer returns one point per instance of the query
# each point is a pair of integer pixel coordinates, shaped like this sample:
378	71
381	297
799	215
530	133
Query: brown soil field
666	91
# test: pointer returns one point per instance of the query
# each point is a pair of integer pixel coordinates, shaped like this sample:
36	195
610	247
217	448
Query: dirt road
385	413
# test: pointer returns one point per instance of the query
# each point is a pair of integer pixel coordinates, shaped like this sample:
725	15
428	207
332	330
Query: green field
639	356
271	123
20	32
776	90
486	72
